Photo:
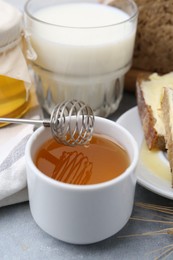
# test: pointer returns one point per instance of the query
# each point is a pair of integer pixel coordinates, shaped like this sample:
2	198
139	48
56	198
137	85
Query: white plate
146	176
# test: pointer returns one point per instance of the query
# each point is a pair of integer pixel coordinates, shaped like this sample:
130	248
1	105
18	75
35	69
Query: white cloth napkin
13	138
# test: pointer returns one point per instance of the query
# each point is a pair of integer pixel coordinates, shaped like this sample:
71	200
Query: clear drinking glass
87	63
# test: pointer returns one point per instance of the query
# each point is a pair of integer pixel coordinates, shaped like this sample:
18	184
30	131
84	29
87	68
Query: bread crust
153	139
168	126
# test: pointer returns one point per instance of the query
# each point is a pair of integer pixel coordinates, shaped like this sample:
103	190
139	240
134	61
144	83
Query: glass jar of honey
14	76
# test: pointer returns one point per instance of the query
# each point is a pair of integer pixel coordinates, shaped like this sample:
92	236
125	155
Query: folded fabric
20	196
13	139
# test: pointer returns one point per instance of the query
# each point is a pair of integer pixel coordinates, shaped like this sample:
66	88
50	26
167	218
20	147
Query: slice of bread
155	105
149	95
167	111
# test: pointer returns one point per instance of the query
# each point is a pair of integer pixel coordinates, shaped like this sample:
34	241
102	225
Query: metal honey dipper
71	122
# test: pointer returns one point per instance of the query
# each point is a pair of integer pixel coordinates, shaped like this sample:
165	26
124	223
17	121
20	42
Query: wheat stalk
166	213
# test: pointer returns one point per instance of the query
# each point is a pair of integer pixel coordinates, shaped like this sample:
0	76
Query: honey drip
156	162
100	161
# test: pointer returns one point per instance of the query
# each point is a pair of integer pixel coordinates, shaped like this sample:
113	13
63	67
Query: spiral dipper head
72	123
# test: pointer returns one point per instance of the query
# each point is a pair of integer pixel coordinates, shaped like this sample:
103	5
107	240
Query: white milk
81	15
88	46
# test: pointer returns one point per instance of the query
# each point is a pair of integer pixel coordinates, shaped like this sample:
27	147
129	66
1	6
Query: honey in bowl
100	161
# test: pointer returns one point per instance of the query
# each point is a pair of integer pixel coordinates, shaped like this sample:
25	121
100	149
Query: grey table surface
21	238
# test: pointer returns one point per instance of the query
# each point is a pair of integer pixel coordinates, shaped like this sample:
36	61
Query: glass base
102	93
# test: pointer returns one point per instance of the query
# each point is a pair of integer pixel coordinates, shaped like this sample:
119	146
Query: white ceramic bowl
82	214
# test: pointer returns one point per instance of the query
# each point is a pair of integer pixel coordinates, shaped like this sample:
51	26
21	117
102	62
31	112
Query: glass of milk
83	48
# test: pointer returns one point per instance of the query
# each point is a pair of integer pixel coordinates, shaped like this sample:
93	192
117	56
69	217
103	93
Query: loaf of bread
167	111
153	47
149	98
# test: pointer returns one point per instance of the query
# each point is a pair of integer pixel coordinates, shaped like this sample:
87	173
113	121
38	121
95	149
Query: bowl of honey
82	194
